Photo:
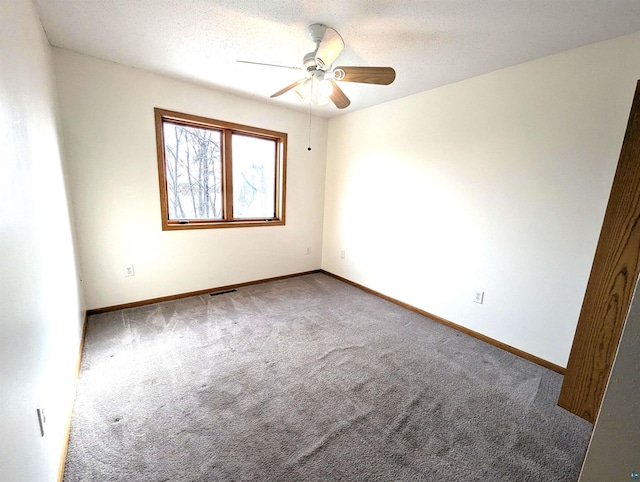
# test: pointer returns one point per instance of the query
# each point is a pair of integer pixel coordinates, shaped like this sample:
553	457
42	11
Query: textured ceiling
429	43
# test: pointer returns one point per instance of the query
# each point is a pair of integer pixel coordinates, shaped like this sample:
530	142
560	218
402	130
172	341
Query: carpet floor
310	379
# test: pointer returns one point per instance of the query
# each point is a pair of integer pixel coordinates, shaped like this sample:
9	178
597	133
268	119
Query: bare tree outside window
194	172
254	162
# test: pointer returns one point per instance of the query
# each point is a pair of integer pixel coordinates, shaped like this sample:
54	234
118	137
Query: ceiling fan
319	85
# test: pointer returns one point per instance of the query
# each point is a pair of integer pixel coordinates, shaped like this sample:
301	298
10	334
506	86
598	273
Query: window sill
177	226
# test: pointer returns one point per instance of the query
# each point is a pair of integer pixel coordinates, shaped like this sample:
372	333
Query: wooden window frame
227	129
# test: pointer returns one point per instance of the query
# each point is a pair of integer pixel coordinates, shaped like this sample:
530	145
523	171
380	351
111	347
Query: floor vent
222	292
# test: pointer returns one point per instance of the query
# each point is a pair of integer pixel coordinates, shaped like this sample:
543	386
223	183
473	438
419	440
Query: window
217	174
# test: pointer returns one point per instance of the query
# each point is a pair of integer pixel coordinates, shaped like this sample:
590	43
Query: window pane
194	172
254	177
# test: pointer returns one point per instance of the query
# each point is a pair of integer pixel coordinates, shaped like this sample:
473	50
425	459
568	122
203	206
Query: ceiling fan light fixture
303	90
316	90
325	88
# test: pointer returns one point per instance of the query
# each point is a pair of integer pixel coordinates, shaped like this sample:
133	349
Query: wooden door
613	277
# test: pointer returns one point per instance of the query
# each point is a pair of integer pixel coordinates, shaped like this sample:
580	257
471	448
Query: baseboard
67	429
150	301
475	334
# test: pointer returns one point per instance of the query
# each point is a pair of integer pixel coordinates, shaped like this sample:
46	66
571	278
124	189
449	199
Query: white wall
107	114
498	183
614	451
40	309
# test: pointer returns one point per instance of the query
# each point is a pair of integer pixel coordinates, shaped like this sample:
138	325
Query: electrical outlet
342	254
41	420
478	297
128	270
308	250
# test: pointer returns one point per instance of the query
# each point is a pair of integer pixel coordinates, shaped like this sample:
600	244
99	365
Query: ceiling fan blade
289	87
330	47
365	75
338	97
269	65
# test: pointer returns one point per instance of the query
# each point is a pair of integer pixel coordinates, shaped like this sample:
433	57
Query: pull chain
309	143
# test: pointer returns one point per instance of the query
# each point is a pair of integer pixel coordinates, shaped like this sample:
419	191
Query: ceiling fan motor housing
309	61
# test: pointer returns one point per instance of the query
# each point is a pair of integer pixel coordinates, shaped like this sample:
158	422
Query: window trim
228	129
